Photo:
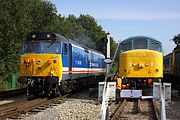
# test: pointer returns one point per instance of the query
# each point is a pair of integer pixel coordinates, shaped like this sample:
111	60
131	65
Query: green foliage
18	17
176	39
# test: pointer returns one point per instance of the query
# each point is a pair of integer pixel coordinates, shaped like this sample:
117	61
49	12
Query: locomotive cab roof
140	42
139	37
52	36
45	36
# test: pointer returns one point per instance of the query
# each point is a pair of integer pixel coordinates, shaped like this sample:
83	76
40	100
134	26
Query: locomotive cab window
50	47
126	46
32	47
155	46
140	43
65	49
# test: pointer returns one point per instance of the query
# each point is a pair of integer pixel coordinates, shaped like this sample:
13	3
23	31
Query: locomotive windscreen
153	45
126	46
41	47
140	43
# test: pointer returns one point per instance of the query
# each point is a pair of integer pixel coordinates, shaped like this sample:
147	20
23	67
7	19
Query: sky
159	19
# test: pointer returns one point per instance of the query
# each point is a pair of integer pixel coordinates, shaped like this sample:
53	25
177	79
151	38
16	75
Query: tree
176	39
18	17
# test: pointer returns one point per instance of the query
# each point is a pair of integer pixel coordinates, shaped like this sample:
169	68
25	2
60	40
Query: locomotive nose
39	65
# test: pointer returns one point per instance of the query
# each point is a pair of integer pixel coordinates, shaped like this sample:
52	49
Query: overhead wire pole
109	63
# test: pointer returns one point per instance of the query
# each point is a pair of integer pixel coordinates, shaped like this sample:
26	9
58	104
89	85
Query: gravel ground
84	106
8	100
74	109
81	106
5	101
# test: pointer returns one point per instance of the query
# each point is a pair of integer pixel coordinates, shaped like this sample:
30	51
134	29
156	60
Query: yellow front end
41	65
141	64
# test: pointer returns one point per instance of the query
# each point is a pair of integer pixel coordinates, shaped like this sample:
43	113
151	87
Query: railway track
136	109
14	109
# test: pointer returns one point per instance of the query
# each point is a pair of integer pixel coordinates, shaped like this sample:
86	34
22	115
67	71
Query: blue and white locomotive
50	61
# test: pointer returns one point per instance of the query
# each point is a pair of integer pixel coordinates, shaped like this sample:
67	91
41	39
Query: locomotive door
70	59
67	60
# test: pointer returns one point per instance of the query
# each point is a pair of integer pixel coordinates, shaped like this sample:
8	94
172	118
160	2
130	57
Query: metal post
108	46
105	91
163	110
108	54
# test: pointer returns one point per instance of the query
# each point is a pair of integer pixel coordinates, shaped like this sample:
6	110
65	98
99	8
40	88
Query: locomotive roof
136	37
43	36
56	37
83	46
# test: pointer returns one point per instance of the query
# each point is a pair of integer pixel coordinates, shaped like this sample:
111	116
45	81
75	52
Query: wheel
55	92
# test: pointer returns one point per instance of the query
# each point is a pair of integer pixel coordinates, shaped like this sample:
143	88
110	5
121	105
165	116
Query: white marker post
104	105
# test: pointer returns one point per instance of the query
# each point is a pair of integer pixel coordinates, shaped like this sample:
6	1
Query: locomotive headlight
56	60
33	60
26	61
134	64
48	35
51	72
146	64
39	62
157	70
141	65
33	36
49	61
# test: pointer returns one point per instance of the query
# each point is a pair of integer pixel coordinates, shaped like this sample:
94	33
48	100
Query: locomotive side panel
177	63
167	60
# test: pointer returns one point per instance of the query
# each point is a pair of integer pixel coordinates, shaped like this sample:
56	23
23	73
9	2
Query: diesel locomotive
51	63
140	62
172	68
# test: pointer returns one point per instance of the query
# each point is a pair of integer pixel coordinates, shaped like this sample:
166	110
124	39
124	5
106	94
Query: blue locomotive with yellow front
50	63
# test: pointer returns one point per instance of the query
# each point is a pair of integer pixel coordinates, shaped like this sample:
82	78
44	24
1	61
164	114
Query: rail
135	109
13	109
119	110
